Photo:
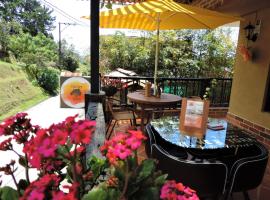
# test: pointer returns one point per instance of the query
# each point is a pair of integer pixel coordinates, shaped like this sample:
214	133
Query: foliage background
183	53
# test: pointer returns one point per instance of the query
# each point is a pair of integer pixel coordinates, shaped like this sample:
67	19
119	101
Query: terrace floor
260	193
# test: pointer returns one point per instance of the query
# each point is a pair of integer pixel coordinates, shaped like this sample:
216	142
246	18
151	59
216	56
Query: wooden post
94	46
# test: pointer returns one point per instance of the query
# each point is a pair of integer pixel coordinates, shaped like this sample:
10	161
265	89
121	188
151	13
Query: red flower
36	195
122	146
177	191
47	148
78	168
6	145
60	137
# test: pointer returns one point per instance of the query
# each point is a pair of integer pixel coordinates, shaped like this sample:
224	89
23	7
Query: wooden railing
183	87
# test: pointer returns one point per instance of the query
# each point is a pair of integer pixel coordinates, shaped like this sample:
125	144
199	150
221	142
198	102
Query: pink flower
36	195
47	148
59	195
82	132
71	120
177	191
137	134
60	137
6	145
81	136
121	151
134	143
35	160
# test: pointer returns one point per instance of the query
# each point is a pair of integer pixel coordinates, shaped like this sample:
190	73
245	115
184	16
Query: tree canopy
183	53
33	17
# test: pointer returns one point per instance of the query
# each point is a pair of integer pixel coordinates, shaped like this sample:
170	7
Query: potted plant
56	153
111	86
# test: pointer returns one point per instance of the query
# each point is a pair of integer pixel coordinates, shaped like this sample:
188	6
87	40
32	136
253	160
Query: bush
70	63
48	79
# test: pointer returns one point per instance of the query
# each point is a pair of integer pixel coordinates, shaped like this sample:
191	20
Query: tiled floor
260	193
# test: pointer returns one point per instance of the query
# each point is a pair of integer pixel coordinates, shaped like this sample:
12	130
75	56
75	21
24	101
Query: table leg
142	118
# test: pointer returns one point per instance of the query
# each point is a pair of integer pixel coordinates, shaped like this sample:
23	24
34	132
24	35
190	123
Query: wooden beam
94	46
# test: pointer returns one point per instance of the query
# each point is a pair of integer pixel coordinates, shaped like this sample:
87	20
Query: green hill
17	93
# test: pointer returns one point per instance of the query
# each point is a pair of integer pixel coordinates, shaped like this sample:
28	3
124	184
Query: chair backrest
208	179
150	140
247	173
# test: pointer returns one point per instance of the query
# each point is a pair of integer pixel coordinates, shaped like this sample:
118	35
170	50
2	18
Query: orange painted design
74	92
245	53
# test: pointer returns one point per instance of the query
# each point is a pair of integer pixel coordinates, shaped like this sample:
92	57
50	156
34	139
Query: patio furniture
207	178
124	113
154	138
247	172
228	138
165	101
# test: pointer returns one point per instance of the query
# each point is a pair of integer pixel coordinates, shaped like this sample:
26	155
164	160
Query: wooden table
165	100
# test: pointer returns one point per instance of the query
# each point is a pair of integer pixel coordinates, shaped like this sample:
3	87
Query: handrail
183	87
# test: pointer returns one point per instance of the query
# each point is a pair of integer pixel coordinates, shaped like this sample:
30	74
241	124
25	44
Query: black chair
247	172
207	178
155	138
150	140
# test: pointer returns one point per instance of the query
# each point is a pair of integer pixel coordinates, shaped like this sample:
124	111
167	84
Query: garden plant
58	153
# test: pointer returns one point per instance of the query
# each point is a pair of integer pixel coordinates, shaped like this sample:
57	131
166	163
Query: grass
17	92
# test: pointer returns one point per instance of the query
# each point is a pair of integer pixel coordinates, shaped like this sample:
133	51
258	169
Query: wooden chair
122	112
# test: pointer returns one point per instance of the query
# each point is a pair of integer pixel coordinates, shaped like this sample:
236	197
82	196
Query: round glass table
229	137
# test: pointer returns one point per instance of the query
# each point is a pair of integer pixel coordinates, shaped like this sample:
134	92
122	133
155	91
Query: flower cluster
177	191
48	150
57	153
113	82
19	127
122	146
36	190
43	147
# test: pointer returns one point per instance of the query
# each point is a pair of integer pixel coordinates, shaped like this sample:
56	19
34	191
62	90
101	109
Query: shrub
70	63
48	79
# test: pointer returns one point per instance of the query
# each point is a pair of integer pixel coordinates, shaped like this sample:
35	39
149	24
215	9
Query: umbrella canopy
162	15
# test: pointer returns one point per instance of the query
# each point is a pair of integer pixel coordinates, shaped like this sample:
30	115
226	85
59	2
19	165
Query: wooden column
94	46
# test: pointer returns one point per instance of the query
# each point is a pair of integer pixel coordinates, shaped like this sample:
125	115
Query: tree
69	58
38	50
33	17
183	53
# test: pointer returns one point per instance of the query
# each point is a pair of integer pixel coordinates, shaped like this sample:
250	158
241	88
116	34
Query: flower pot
109	90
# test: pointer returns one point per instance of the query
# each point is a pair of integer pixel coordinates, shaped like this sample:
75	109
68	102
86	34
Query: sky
71	11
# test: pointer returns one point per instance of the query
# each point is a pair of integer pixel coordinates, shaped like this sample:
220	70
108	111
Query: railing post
187	87
204	84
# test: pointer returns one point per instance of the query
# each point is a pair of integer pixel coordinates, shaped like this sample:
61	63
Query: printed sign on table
193	118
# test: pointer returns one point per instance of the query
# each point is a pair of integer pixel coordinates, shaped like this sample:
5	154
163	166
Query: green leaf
23	184
96	193
160	180
146	194
97	165
146	169
8	193
113	193
22	161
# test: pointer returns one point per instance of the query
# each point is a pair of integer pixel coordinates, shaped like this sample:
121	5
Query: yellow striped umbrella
162	15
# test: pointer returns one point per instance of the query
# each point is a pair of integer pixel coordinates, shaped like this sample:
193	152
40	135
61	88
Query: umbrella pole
156	56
